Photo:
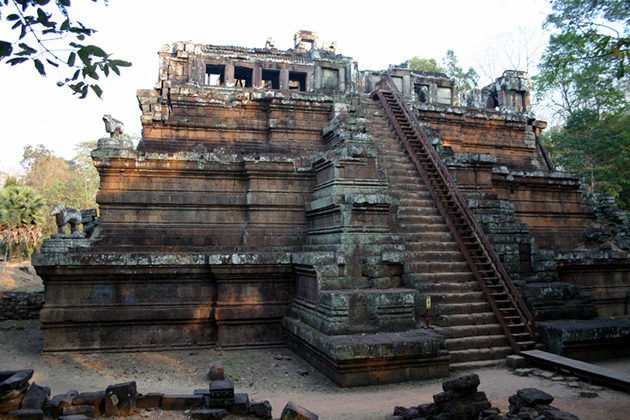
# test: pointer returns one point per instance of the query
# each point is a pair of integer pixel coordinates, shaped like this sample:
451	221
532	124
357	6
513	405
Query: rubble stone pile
462	401
21	400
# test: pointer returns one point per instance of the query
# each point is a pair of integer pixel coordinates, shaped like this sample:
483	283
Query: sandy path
265	375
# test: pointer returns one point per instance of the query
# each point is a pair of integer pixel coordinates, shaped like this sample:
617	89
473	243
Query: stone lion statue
114	127
64	216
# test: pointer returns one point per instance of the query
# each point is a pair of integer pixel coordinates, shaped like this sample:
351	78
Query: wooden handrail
387	84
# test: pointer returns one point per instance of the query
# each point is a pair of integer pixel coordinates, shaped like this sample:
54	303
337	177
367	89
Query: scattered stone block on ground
293	411
120	399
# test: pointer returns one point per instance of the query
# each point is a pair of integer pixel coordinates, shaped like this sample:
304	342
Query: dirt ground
279	376
19	277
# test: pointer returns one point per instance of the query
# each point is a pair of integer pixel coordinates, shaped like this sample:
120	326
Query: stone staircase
434	265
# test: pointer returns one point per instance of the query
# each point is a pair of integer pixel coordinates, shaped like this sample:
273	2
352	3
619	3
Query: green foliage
425	64
21	205
579	69
598	148
467	80
40	24
73	183
600	27
22	212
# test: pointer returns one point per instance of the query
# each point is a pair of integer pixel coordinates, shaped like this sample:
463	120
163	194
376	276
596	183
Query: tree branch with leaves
39	26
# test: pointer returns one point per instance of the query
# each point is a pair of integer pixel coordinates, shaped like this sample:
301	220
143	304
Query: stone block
29	414
35	397
292	411
462	383
209	414
533	397
182	402
120	399
95	399
216	373
11	380
514	361
74	417
241	405
150	400
60	401
10	404
86	410
261	409
221	389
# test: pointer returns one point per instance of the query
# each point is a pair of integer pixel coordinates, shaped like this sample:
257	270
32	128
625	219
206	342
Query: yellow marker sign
428	302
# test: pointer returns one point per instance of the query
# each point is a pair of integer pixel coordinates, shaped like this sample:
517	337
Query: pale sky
35	111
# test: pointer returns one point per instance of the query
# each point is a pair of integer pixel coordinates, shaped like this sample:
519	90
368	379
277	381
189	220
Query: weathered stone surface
293	411
514	361
182	402
24	414
86	410
533	396
209	414
11	380
216	373
261	409
464	383
241	404
150	400
120	399
35	397
589	340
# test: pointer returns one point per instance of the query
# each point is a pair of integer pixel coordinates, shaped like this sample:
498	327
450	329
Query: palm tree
22	213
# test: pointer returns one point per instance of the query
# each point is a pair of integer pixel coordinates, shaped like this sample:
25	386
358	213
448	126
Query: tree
22	213
40	24
425	64
467	80
600	28
597	147
73	183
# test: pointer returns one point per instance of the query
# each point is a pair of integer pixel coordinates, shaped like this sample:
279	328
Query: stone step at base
436	267
409	226
432	246
483	318
478	342
445	298
463	308
419	207
474	355
472	366
444	256
412	279
443	287
469	330
409	218
429	237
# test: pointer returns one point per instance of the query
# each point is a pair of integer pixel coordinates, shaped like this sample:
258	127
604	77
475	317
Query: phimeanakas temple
285	198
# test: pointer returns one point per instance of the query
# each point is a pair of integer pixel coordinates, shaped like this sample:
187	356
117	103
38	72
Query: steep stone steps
434	265
445	256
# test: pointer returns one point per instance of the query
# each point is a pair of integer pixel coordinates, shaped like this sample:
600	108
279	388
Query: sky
33	110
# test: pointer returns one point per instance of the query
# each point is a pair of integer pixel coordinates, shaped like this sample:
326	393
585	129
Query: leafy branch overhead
39	26
598	29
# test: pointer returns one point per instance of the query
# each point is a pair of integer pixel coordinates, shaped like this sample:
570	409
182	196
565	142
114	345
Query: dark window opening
270	79
423	92
492	102
215	75
243	77
297	81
